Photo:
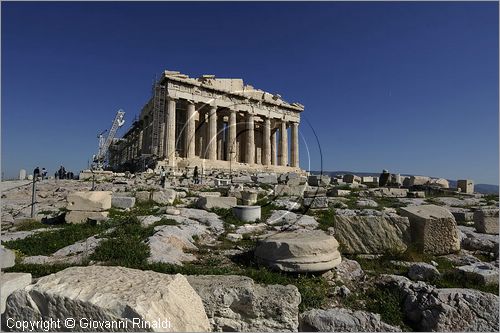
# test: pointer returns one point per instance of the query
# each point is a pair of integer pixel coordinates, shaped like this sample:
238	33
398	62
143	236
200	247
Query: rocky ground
380	263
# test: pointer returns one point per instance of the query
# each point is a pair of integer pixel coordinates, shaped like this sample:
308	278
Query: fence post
33	197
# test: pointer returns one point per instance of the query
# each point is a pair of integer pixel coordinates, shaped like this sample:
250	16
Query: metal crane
100	159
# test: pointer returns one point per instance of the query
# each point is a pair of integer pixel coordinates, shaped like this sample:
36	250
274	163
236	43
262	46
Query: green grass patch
381	265
388	203
450	279
122	251
325	218
226	215
388	302
30	224
37	270
145	208
125	246
492	197
177	201
47	242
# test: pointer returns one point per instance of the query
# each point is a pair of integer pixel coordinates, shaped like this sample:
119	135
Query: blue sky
408	87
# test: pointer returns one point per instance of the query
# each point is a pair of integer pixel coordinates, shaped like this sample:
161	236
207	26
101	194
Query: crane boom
100	158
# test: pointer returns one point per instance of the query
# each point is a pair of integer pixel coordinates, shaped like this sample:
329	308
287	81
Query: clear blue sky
409	87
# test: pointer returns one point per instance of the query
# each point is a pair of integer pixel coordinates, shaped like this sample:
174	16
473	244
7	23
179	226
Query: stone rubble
446	310
367	221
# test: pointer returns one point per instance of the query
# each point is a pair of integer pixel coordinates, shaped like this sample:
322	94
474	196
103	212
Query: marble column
250	139
134	147
140	142
161	148
283	160
189	137
294	162
220	138
170	132
212	134
231	140
266	142
273	146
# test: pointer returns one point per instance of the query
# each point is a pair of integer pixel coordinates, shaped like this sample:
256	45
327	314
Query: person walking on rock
196	175
36	173
163	176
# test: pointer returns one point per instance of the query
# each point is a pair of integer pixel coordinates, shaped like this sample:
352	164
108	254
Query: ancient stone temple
212	123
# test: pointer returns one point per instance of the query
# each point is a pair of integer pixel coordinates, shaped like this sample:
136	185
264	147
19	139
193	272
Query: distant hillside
480	188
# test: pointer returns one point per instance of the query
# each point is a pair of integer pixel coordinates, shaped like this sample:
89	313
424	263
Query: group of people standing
63	174
60	174
163	176
37	174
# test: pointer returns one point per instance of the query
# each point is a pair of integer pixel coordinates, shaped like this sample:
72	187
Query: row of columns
269	136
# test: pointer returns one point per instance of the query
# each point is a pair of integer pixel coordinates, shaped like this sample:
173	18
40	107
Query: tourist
384	178
59	172
196	175
44	173
163	176
36	173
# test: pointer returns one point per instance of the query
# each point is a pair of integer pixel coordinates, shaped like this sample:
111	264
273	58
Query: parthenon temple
212	123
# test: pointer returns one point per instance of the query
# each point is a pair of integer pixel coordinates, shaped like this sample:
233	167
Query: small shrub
125	246
389	203
388	302
145	208
177	201
226	214
326	218
450	279
128	251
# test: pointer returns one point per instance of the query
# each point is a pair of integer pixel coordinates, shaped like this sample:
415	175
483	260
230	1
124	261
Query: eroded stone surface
286	220
165	197
208	203
433	229
486	220
236	303
372	234
422	271
122	202
311	251
172	244
7	258
10	282
343	320
92	201
446	310
480	272
78	217
111	293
